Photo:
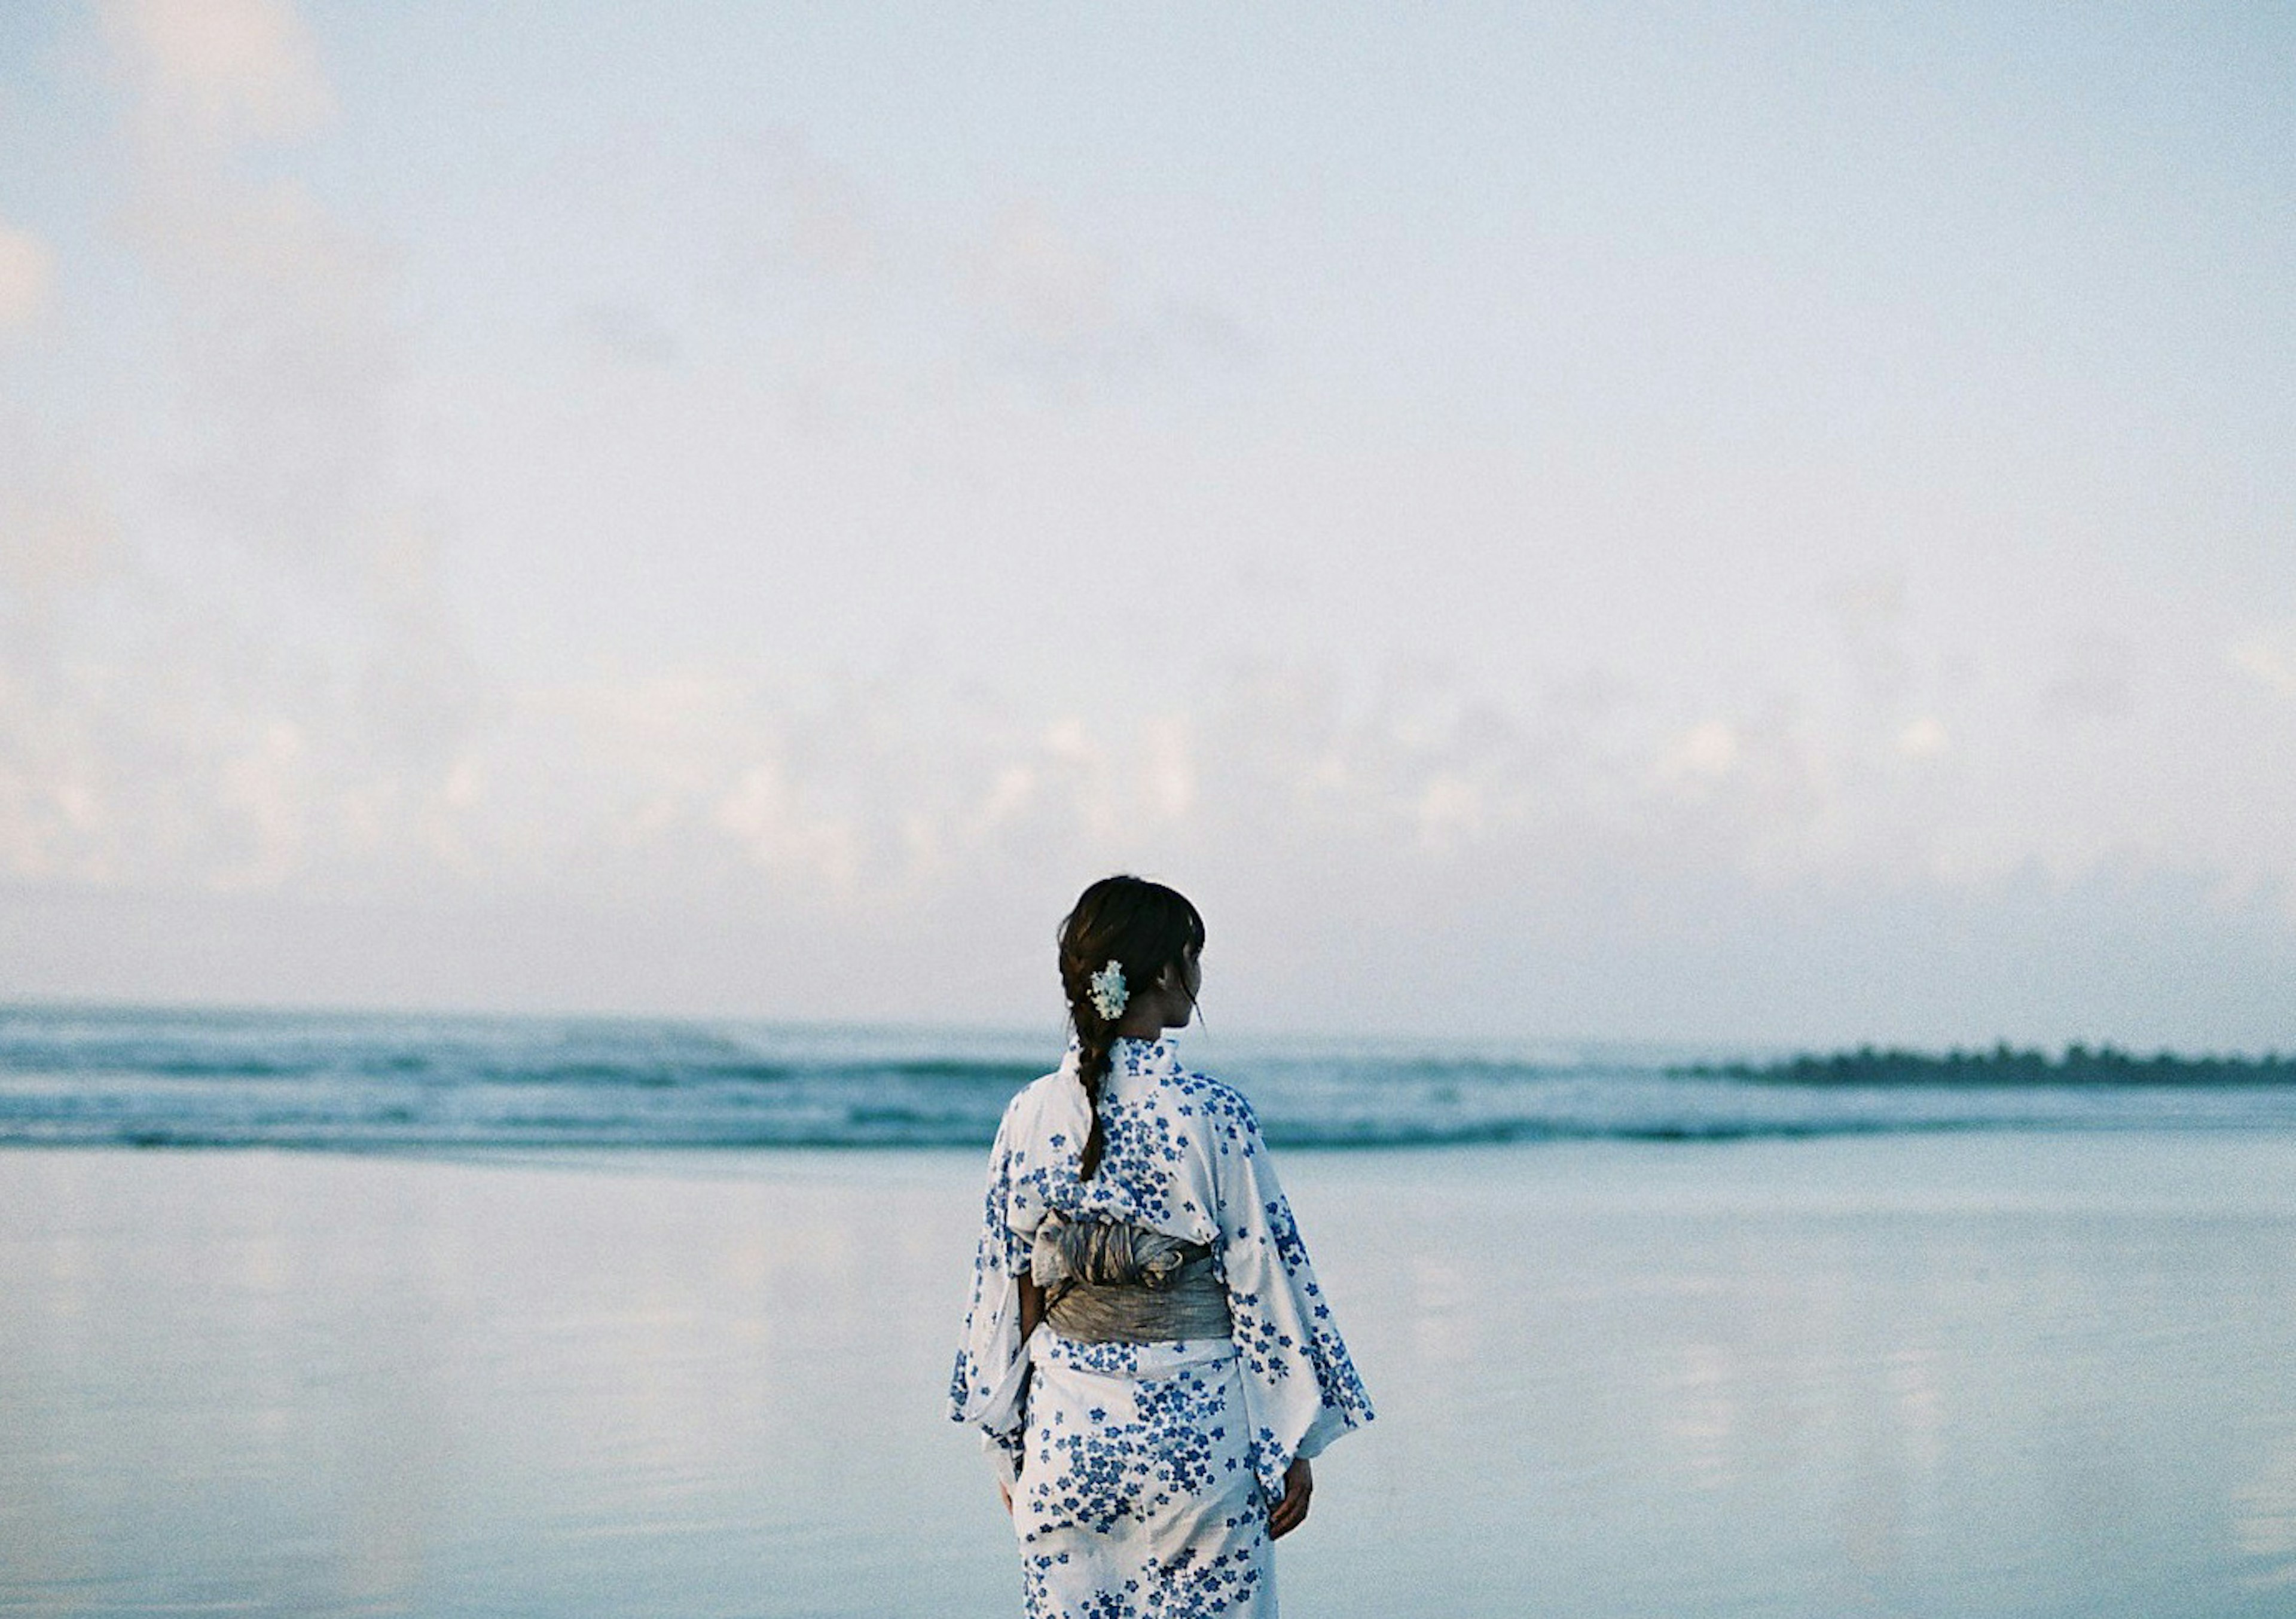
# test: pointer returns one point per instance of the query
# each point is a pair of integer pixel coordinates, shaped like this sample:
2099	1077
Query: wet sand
1983	1374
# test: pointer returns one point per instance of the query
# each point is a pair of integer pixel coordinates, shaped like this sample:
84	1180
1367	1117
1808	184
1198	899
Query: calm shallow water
1984	1375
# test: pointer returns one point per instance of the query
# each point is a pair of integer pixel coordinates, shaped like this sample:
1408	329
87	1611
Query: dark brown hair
1143	928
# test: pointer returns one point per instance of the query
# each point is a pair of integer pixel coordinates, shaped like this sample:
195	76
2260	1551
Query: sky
1698	522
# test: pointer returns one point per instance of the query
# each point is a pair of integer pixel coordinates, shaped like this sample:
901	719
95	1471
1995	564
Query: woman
1147	1353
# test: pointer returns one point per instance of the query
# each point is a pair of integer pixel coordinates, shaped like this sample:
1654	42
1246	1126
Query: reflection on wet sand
2040	1376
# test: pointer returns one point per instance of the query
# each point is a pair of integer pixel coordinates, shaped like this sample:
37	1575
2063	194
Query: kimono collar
1144	1057
1068	1114
1131	1057
1149	1059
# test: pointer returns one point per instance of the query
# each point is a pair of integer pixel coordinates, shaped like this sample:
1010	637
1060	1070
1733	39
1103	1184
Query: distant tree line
2005	1065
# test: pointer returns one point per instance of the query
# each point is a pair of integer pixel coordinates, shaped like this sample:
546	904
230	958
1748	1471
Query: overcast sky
1710	522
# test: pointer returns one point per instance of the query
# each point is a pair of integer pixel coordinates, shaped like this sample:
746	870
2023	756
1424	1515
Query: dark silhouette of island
2005	1065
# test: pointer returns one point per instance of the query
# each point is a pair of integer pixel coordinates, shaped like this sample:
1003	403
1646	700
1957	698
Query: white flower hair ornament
1108	992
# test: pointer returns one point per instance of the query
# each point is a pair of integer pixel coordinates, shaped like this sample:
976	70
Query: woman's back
1147	1354
1126	1450
1166	1132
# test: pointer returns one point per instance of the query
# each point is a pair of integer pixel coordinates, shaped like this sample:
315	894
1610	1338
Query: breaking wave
346	1082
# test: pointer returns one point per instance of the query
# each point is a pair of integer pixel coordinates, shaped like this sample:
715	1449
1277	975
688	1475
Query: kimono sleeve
1300	1387
992	1363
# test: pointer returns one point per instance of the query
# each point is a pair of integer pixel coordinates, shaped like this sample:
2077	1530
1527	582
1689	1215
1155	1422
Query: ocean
335	1315
132	1077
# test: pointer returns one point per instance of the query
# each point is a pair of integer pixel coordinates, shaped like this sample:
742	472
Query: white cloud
227	661
1923	739
1058	306
781	835
1449	808
1168	771
785	210
27	279
1701	753
58	532
1008	794
224	70
2270	665
1053	290
234	665
268	787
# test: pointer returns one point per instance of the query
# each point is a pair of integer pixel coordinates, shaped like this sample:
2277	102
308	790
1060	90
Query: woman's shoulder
1209	1092
1154	1067
1048	1112
1220	1107
1034	1097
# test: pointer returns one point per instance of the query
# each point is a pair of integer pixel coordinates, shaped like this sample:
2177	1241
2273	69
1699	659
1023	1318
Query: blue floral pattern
1144	1472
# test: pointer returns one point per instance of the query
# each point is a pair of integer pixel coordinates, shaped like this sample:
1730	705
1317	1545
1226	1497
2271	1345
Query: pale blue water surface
2007	1373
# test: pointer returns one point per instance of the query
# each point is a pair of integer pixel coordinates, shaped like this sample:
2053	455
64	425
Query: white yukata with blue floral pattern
1142	1473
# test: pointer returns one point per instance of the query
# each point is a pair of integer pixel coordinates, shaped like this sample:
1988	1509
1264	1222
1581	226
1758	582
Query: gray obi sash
1106	1283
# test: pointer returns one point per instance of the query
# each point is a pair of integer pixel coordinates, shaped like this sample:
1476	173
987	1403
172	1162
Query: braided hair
1143	928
